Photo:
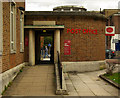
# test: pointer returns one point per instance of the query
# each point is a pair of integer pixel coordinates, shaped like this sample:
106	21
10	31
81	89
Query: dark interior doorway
44	46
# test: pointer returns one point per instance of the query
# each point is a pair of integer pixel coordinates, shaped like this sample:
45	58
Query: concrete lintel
44	22
45	27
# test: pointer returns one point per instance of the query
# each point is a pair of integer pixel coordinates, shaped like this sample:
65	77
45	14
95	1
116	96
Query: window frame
21	31
12	27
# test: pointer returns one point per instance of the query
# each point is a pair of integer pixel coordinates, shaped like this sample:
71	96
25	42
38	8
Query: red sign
67	50
84	31
110	30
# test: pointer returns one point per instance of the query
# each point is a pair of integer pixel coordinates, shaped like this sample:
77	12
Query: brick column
31	47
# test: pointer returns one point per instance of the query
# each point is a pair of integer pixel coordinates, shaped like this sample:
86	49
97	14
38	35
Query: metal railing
59	68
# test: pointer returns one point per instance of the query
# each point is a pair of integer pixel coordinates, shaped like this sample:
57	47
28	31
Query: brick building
77	35
81	29
112	16
113	42
11	40
109	12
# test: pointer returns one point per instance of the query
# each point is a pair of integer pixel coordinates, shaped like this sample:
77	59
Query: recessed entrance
34	43
44	46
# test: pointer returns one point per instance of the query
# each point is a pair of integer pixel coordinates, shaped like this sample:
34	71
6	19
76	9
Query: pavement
36	80
89	84
39	80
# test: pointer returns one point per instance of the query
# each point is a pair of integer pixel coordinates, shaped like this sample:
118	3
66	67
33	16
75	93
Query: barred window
12	27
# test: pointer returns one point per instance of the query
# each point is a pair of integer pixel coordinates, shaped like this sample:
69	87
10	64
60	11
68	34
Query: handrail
59	68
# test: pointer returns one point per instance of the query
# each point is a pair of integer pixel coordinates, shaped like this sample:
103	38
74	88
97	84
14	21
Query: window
12	27
21	31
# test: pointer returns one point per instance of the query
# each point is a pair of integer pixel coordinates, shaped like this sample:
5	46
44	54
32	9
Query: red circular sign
109	29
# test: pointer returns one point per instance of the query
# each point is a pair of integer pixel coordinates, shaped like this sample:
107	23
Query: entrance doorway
44	46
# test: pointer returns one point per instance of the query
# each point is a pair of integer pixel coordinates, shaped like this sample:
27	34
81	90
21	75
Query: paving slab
89	84
39	80
35	80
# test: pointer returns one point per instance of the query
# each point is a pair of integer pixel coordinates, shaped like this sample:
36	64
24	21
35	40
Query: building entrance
44	46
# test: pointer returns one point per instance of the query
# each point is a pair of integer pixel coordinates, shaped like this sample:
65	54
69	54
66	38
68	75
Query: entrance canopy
44	27
32	29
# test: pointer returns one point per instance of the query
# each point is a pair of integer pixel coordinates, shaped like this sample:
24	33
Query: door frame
39	33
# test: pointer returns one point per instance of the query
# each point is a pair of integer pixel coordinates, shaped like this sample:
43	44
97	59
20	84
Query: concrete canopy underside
44	27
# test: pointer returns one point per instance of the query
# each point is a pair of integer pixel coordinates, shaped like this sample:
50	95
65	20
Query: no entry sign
110	30
67	50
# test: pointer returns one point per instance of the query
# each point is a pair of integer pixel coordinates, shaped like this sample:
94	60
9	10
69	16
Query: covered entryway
55	29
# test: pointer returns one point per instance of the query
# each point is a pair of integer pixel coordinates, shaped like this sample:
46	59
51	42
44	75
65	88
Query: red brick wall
11	60
84	47
115	20
116	23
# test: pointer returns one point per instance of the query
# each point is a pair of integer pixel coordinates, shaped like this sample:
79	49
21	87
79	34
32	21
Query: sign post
110	30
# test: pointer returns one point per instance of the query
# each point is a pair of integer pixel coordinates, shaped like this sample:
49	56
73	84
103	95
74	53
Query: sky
90	5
